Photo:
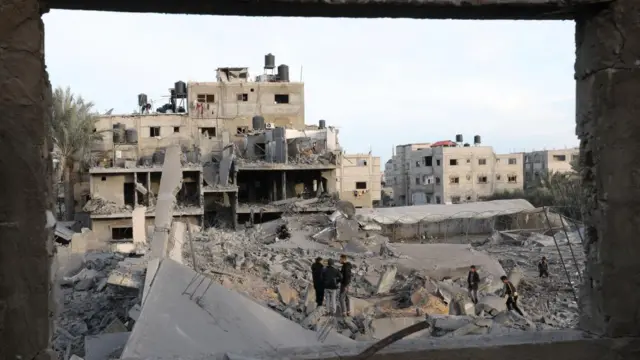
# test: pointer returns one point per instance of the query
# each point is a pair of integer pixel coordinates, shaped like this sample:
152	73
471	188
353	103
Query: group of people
510	291
332	284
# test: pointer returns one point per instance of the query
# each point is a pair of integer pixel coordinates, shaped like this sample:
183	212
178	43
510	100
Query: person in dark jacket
543	268
512	295
345	271
318	286
473	282
331	279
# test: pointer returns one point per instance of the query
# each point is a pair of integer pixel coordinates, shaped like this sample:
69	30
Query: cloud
381	81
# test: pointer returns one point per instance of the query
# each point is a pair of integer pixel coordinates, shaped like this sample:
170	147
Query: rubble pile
89	302
549	302
101	206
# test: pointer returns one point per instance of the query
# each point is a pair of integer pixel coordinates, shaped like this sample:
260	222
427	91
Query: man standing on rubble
345	272
318	286
331	279
473	281
512	295
543	268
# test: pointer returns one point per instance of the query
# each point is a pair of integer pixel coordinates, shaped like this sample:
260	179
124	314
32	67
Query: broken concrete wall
85	241
139	225
608	85
169	186
109	187
177	237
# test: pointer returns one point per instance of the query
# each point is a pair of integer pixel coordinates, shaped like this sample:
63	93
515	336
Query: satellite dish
109	111
346	208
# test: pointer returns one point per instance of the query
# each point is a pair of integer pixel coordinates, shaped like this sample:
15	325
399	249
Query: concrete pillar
284	185
608	125
26	248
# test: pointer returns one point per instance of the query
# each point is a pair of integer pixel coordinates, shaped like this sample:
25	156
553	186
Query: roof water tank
158	158
283	73
142	99
257	122
466	145
476	140
131	135
269	61
180	89
322	124
459	138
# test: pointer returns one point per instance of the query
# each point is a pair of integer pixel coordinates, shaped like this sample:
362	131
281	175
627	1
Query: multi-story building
359	179
537	163
445	173
401	163
246	155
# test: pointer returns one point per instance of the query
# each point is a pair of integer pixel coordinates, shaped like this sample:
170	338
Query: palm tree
73	131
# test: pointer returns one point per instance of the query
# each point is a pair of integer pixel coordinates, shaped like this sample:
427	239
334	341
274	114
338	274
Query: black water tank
118	133
142	99
283	73
322	124
257	122
466	145
459	138
269	61
476	140
181	89
131	135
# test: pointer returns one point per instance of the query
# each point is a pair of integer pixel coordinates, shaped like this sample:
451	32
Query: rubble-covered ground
87	304
274	269
394	284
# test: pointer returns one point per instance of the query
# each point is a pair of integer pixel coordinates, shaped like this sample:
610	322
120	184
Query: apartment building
536	163
401	163
246	155
359	179
450	174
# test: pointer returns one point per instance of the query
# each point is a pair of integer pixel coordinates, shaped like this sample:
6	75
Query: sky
381	82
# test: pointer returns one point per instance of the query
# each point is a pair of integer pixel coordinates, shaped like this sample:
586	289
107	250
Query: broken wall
109	187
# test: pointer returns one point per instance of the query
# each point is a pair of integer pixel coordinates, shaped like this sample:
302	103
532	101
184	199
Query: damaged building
447	172
246	154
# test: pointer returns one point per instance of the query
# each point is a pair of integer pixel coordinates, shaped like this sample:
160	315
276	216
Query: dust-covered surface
88	305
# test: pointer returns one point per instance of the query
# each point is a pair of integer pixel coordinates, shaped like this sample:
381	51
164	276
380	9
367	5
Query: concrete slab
439	261
152	268
170	184
176	240
387	326
105	346
139	226
185	315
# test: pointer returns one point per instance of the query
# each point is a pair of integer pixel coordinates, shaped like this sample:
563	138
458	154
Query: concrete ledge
565	345
432	9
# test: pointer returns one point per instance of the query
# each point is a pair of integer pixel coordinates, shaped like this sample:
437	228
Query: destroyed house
116	192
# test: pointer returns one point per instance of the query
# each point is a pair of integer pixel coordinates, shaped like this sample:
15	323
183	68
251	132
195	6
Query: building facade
359	179
247	156
537	163
454	174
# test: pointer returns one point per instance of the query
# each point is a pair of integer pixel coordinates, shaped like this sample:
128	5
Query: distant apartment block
537	163
447	173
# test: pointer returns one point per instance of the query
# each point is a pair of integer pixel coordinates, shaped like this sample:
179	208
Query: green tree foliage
559	190
73	133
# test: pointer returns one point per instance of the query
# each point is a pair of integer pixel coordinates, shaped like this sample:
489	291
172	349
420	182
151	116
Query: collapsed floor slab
187	315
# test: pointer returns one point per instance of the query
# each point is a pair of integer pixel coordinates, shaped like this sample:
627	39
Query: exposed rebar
564	266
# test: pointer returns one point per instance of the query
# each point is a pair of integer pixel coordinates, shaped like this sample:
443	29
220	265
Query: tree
73	131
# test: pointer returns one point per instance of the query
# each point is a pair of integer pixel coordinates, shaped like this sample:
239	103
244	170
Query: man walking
512	295
473	281
345	273
331	279
543	268
318	286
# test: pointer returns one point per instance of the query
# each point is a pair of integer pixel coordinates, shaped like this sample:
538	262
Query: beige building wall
358	179
446	175
233	104
102	228
536	163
